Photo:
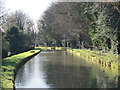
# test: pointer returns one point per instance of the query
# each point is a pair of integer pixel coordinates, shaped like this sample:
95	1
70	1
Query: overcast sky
34	8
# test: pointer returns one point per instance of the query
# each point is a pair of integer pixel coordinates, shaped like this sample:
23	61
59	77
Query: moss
10	64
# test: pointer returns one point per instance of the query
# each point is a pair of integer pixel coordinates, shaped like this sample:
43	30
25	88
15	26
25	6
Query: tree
5	45
18	40
3	13
62	23
21	20
83	25
103	19
22	37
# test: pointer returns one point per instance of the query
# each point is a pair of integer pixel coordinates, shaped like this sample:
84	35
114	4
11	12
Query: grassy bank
102	59
10	65
51	48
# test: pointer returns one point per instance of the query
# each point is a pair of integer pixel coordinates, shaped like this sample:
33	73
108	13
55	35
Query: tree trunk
113	46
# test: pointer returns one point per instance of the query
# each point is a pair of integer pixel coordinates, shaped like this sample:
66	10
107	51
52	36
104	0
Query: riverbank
102	59
11	65
52	48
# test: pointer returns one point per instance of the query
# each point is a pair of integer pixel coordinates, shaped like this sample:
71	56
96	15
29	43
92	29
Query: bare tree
21	20
62	20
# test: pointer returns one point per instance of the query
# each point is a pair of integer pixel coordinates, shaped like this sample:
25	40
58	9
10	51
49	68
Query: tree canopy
81	25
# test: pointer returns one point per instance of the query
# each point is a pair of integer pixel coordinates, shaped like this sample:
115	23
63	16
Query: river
59	69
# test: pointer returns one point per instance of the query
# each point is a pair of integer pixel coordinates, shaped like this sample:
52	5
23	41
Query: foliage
103	25
61	23
18	32
16	39
82	25
5	46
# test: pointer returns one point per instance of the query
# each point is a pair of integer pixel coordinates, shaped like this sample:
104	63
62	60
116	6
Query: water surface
59	69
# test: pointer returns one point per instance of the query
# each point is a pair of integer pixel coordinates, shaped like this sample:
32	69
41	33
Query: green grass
97	56
106	56
51	48
110	62
9	65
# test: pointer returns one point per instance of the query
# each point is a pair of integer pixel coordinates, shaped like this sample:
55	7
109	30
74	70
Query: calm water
58	69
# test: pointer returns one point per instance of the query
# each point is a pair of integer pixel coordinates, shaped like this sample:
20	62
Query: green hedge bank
104	60
10	66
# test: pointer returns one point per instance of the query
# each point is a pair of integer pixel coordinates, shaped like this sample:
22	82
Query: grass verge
11	64
103	59
51	48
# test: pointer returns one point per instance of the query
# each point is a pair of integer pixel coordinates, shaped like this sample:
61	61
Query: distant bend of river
59	69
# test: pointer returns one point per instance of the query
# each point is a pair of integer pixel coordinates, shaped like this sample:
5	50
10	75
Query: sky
34	8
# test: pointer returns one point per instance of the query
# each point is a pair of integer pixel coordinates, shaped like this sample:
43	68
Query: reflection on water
58	69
